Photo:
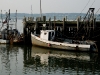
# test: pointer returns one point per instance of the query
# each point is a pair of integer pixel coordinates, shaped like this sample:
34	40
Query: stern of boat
93	48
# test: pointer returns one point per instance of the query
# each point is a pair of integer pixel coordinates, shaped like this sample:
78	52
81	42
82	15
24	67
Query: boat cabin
47	35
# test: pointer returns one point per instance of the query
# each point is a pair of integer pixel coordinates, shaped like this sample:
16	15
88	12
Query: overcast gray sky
49	6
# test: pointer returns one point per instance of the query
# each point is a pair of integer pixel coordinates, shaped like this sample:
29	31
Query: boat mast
16	20
40	10
8	18
31	10
2	20
1	17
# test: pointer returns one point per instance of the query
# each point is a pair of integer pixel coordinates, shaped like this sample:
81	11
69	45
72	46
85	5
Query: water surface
27	60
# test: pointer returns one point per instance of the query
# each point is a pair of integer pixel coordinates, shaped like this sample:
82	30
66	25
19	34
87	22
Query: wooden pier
81	29
66	29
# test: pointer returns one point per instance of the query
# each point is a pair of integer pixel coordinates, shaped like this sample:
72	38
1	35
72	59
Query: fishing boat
47	38
9	34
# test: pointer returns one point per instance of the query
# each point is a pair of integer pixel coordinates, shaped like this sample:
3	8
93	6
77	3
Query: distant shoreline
59	16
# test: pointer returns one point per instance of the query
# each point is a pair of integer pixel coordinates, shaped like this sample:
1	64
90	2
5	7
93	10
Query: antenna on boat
40	10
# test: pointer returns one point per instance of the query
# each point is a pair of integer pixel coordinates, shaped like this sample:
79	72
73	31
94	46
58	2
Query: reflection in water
9	59
27	60
62	62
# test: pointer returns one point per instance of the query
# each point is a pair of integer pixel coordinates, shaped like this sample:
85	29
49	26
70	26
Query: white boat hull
59	45
2	41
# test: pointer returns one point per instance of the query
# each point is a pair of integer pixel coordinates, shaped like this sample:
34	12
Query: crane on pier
86	27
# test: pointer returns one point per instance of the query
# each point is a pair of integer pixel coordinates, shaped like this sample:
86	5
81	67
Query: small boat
47	39
2	41
3	37
9	34
16	37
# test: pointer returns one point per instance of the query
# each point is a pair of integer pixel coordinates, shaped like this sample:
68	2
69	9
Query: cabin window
52	33
49	38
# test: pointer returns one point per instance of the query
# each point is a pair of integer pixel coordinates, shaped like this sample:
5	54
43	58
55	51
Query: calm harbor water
32	60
